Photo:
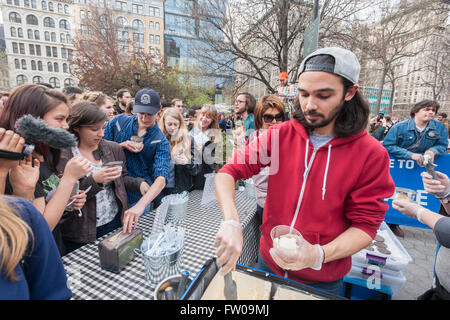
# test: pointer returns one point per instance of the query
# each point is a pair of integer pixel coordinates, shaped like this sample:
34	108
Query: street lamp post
137	77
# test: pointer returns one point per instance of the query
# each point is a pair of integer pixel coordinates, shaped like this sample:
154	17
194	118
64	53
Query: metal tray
206	274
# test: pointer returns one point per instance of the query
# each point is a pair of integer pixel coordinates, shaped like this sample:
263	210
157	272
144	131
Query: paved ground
421	246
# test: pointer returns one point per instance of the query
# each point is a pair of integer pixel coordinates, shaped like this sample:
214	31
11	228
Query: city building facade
140	23
38	36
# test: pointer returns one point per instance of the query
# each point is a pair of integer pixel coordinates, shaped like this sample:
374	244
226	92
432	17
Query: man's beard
325	121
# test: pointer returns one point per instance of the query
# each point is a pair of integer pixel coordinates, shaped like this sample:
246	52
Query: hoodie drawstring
324	186
305	176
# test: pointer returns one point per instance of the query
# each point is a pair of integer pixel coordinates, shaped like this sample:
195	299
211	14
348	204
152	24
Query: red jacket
344	187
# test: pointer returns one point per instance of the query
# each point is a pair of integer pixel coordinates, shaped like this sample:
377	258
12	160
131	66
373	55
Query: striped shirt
152	162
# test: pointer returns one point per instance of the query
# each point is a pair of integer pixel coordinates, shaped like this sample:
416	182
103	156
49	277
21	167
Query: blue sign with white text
406	174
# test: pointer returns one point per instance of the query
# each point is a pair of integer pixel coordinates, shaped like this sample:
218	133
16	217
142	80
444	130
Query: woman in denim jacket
420	134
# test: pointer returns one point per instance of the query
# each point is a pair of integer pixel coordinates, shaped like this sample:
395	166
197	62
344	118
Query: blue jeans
334	287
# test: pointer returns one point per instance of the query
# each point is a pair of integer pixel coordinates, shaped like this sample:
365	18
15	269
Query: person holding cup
149	160
107	196
327	179
440	224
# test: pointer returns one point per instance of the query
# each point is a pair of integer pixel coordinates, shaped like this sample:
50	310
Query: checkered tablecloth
89	282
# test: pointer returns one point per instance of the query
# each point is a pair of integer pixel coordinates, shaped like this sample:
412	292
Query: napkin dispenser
117	250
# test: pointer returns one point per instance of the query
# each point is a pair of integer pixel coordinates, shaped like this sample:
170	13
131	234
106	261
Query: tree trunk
380	90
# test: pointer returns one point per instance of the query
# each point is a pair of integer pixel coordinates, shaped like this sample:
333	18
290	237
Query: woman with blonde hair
182	167
30	265
206	136
104	102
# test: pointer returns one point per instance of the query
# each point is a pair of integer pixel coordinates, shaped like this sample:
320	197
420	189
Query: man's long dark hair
353	116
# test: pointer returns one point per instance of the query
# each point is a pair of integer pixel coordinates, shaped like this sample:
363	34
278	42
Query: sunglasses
268	118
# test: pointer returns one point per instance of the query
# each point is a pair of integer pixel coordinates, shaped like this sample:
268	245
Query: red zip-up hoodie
321	193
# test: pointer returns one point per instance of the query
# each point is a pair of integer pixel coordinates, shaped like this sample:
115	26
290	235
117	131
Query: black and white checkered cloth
89	282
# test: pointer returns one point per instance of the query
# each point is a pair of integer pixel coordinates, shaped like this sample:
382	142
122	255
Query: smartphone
75	189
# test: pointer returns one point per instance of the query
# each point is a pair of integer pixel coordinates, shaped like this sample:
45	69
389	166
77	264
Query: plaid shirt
287	94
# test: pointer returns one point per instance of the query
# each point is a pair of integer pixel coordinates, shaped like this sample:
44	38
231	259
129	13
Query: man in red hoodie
327	179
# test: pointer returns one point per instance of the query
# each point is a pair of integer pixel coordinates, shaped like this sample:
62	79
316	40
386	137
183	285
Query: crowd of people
130	152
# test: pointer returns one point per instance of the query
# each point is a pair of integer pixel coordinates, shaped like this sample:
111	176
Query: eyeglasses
239	102
268	118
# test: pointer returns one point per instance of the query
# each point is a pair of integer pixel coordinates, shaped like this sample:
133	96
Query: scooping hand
131	146
107	174
436	187
228	244
305	256
408	208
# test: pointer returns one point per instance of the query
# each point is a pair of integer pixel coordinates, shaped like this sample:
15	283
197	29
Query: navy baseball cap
147	101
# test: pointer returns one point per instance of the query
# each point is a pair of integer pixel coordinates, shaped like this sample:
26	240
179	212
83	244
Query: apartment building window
31	49
157	39
54	82
26	3
16	2
36	35
50	6
64	53
24	64
17	63
66	9
39	65
157	26
44	5
55	52
38	80
49	67
15	47
13	32
82	14
152	39
48	50
47	36
30	34
138	25
20	32
157	12
120	5
33	65
53	37
33	4
68	82
32	19
60	8
68	38
21	48
137	8
138	37
64	24
21	79
62	38
151	25
152	11
65	68
49	22
56	67
15	17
